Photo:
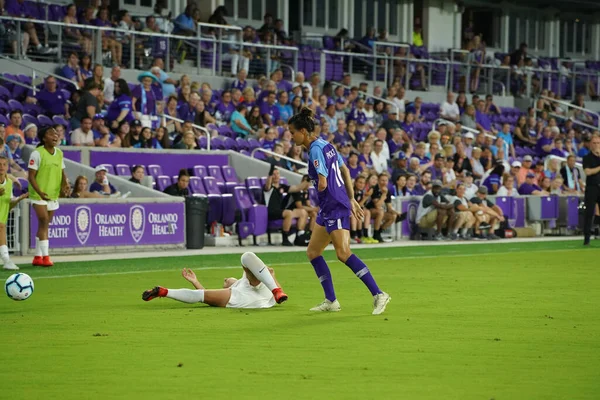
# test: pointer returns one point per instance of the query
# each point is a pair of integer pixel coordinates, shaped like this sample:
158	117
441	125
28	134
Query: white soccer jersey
244	295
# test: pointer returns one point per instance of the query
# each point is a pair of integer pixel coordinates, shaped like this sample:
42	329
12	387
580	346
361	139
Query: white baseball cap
101	168
516	164
469	135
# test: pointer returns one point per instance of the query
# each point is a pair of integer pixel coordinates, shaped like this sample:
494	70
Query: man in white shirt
83	136
449	109
470	187
109	84
378	157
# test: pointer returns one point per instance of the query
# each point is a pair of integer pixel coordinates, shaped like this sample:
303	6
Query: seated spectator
553	169
71	70
137	174
167	83
380	206
284	108
463	216
449	109
240	125
435	210
85	69
360	229
490	108
5	151
87	105
529	187
420	150
109	40
493	181
411	184
508	186
274	193
79	190
556	186
470	187
379	158
486	213
103	137
391	123
484	124
545	184
572	176
507	141
240	83
438	170
269	111
16	119
268	142
276	160
143	98
301	200
545	143
83	136
180	188
121	108
16	161
423	185
225	108
31	137
414	167
188	142
134	137
52	100
101	185
468	118
524	170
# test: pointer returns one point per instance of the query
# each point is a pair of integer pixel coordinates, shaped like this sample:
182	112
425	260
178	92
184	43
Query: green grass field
503	321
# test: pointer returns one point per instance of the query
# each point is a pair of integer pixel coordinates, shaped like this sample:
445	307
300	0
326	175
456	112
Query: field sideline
504	321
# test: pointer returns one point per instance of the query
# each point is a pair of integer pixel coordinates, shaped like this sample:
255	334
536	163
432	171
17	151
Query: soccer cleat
586	240
301	240
37	261
10	266
153	293
327	305
47	262
380	301
279	295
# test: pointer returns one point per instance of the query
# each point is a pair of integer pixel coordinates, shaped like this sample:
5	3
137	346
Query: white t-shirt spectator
470	191
449	176
399	103
379	162
503	191
449	110
109	90
78	138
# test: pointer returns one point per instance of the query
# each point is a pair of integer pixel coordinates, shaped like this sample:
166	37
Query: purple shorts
334	224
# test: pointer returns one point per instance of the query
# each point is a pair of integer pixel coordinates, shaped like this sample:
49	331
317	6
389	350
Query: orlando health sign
120	224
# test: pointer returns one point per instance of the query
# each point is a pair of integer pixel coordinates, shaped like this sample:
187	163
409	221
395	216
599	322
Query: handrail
464	128
219	26
203	129
366	94
19	63
569	105
26	86
564	117
302	163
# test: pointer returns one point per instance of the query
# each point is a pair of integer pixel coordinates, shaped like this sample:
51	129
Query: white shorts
52	205
244	295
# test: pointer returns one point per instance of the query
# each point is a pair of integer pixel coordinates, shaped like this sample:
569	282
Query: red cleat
155	292
38	261
279	295
47	262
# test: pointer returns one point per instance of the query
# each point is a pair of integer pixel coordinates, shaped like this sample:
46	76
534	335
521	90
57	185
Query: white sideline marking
415	257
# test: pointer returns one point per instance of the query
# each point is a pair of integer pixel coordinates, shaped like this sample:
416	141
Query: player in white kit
257	288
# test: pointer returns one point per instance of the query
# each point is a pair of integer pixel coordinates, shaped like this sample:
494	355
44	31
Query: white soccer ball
19	286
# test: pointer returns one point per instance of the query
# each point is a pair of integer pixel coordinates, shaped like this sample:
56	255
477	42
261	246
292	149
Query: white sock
4	254
300	233
258	269
464	232
186	295
38	249
39	46
45	247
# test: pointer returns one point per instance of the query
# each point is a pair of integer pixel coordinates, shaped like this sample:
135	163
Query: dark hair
135	168
183	172
123	87
85	117
303	120
15	111
42	134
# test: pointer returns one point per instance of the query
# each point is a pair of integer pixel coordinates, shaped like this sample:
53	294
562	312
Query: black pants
592	197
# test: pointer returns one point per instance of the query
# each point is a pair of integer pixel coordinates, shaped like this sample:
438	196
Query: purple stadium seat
109	169
203	142
4	108
252	181
200	171
242	144
15	105
253	143
230	144
61	121
196	185
123	170
245	153
30	119
4	120
253	216
217	143
283	180
215	200
44	120
229	174
155	170
32	109
5	94
162	182
215	172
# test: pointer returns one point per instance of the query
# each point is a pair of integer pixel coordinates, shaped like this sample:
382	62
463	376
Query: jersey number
338	175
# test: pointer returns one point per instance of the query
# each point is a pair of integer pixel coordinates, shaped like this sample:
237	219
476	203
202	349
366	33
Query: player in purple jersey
336	202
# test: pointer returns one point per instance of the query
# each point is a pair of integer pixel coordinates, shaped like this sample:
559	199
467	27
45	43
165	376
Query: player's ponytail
303	120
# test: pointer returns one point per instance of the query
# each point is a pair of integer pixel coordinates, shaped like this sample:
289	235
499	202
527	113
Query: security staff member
591	167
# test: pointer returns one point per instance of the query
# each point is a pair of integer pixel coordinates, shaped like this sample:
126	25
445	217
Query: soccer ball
19	286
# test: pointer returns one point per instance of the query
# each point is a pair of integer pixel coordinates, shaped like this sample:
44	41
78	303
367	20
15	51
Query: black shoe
401	217
301	240
586	240
286	242
378	238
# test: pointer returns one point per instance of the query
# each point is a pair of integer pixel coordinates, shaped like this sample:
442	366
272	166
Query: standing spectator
180	188
449	109
379	158
144	101
435	210
269	111
83	136
87	105
109	84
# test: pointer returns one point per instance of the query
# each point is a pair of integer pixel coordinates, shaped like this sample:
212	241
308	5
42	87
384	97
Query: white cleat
11	266
327	305
380	301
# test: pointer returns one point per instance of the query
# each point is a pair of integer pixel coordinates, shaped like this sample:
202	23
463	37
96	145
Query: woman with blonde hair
80	190
188	142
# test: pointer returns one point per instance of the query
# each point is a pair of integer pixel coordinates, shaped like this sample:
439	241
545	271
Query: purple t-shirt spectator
540	144
366	160
158	92
358	116
340	137
409	129
354	172
260	98
268	144
483	120
436	174
526	189
424	160
490	180
121	103
96	187
271	110
393	146
559	153
241	85
52	102
68	72
146	103
419	190
226	110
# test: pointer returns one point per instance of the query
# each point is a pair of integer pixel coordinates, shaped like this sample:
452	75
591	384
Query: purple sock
324	275
362	271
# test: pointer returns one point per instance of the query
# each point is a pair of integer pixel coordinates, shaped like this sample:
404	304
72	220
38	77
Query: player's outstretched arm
190	276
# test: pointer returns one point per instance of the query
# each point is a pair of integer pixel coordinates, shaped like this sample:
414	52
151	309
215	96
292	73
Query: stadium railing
272	154
365	94
570	111
34	71
201	128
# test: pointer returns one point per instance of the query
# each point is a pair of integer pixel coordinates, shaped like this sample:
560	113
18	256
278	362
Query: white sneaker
380	301
327	305
11	266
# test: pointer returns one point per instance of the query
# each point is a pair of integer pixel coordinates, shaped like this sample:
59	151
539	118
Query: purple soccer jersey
333	201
